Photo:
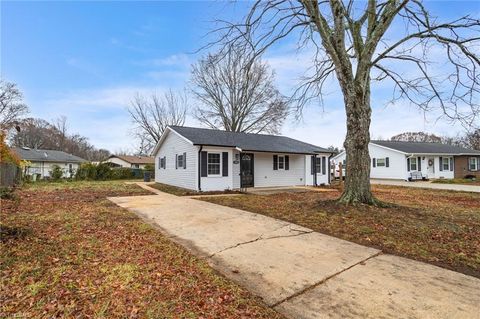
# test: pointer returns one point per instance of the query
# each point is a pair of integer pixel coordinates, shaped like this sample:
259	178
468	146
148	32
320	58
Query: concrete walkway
305	274
425	184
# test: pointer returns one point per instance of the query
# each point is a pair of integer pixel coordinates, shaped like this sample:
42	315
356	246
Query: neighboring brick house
467	165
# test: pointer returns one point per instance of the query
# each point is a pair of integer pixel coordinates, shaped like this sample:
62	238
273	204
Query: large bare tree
152	114
355	44
12	107
237	93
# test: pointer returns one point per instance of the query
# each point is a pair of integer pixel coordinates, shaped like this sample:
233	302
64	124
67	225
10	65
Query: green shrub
86	171
149	167
56	173
122	173
7	193
103	172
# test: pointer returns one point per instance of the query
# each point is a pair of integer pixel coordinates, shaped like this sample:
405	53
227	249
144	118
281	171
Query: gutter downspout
199	168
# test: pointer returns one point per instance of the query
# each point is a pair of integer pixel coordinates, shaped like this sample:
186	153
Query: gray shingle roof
39	155
247	141
426	148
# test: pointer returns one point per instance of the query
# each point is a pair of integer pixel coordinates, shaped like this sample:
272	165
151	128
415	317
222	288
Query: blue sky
86	60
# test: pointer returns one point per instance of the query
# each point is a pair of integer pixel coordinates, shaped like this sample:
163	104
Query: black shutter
275	162
419	164
451	163
408	164
387	162
441	163
184	160
324	165
203	164
225	164
374	161
287	162
312	167
176	161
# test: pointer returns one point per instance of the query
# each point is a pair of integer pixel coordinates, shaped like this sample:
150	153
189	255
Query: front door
246	170
431	167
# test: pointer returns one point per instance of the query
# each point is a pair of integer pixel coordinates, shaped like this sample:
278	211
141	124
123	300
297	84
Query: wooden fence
10	174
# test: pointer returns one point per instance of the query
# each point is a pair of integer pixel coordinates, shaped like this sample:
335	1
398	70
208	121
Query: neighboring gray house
42	161
208	159
414	160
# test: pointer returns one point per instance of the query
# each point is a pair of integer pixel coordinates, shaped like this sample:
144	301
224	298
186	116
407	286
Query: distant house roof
132	159
247	141
426	148
40	155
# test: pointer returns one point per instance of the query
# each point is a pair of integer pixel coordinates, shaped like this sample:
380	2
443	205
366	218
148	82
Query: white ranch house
418	160
42	161
211	160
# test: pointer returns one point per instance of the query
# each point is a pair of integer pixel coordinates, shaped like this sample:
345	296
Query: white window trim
221	165
178	161
475	160
447	161
384	162
278	162
412	159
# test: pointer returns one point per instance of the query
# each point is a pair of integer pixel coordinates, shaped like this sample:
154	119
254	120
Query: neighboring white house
42	161
412	160
208	160
130	161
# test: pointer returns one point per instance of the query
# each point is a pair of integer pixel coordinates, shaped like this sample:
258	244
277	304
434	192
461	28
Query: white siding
44	168
213	183
398	163
186	178
118	161
265	175
236	170
321	178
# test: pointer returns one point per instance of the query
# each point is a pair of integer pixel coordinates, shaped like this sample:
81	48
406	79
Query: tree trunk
357	177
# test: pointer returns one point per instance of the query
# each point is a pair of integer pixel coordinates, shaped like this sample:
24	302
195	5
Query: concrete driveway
305	274
426	184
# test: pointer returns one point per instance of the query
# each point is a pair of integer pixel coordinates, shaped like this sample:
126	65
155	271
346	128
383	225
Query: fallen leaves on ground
436	226
67	251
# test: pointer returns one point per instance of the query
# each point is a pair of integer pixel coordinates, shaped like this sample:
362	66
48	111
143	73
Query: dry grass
461	181
187	192
439	227
67	251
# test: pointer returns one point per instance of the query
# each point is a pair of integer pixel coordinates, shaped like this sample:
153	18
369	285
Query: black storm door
246	170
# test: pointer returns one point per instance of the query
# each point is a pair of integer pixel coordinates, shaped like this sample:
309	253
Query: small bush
86	171
122	173
7	193
149	167
56	173
103	172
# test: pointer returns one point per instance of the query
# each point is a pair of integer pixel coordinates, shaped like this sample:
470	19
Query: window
413	164
446	164
381	162
161	162
318	165
281	162
213	164
473	164
179	161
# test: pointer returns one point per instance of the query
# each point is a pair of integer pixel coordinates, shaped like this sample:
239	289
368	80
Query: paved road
421	184
305	274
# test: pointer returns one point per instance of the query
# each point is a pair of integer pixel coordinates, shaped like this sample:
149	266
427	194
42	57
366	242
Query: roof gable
244	141
135	159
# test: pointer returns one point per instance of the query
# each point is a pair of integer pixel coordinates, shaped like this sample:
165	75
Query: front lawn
68	252
440	227
174	190
462	181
